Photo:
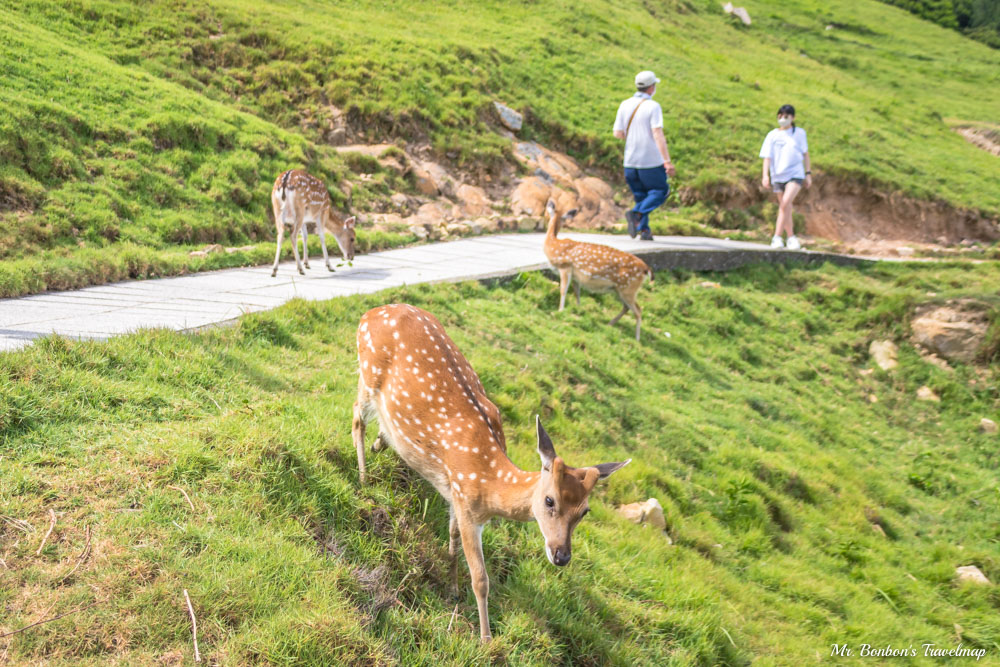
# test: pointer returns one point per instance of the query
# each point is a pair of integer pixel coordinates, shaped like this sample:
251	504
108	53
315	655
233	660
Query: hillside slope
137	129
810	500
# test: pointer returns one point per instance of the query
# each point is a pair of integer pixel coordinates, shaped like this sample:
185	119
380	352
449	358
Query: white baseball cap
645	79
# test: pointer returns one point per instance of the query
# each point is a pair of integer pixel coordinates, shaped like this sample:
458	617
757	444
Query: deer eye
549	502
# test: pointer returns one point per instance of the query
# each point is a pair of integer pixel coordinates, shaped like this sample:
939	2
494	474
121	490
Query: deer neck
553	229
510	493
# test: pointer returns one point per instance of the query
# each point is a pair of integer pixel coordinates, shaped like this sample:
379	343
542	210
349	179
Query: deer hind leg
454	535
361	407
472	545
295	246
565	276
305	245
322	244
277	253
576	286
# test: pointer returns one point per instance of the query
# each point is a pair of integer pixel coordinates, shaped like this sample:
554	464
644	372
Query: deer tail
284	183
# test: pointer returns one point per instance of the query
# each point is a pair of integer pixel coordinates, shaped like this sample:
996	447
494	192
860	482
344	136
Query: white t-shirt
640	148
786	149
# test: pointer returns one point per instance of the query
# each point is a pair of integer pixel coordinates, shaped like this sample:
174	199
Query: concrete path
197	300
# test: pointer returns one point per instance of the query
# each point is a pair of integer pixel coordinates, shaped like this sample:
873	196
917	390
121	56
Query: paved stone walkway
197	300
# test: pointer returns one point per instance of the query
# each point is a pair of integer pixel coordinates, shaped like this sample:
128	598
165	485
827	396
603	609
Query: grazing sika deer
432	409
299	199
599	268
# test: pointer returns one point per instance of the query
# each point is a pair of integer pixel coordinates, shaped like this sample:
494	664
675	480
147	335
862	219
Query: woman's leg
785	209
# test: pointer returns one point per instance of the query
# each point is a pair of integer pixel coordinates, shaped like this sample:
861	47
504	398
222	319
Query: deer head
343	231
555	221
560	497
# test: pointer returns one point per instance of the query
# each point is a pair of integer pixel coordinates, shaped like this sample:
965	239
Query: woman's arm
808	165
765	178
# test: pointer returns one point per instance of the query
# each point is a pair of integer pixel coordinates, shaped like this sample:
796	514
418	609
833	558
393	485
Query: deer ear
568	215
545	449
605	469
550	207
349	223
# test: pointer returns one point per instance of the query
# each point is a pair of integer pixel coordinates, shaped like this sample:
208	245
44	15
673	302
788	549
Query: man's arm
661	143
619	134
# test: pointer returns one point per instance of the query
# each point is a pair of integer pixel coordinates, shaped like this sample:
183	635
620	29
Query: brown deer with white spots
599	268
432	409
299	199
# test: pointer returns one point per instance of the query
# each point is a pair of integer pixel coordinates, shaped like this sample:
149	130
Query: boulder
972	574
530	196
511	119
457	228
987	425
472	202
739	12
884	353
424	182
432	213
558	167
955	330
650	512
400	200
925	393
440	177
419	231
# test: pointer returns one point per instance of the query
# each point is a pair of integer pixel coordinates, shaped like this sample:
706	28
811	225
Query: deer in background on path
298	199
599	268
432	409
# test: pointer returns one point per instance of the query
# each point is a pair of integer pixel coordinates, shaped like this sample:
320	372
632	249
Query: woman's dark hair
790	110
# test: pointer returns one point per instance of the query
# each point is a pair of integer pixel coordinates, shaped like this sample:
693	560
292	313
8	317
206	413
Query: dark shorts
780	187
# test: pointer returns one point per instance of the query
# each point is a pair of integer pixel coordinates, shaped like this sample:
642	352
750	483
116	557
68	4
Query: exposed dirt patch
855	213
987	139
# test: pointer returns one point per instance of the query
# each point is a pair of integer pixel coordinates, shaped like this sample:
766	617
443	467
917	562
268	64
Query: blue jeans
650	189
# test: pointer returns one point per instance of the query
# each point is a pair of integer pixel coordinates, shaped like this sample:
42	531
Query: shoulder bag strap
629	126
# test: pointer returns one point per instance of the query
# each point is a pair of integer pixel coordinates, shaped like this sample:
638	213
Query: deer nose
561	556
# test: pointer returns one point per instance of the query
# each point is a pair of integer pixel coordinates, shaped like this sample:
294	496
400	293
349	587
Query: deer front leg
277	253
305	245
472	545
565	275
453	536
358	428
322	244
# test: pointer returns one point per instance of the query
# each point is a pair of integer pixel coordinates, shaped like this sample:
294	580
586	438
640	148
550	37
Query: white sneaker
776	242
793	243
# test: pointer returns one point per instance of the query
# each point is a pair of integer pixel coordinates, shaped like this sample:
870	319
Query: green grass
751	423
162	125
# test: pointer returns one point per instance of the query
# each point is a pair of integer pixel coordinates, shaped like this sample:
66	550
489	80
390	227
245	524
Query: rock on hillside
447	202
955	330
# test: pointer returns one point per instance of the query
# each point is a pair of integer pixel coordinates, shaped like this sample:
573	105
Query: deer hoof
486	639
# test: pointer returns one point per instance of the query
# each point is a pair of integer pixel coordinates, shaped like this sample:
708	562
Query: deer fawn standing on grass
599	268
299	199
432	409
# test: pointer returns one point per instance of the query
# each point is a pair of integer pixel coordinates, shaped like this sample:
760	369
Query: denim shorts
780	187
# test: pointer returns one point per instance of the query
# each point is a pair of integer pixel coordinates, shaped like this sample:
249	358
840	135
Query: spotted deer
299	199
432	409
599	268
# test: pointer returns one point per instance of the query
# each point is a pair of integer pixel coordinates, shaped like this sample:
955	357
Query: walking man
647	159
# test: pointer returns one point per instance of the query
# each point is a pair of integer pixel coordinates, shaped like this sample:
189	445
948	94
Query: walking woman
786	170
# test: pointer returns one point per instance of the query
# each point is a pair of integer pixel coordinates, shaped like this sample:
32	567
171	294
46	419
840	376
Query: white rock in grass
884	353
650	512
972	574
987	425
511	119
925	393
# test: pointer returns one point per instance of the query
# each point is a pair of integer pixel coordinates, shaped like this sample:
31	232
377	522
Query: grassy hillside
136	130
752	423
